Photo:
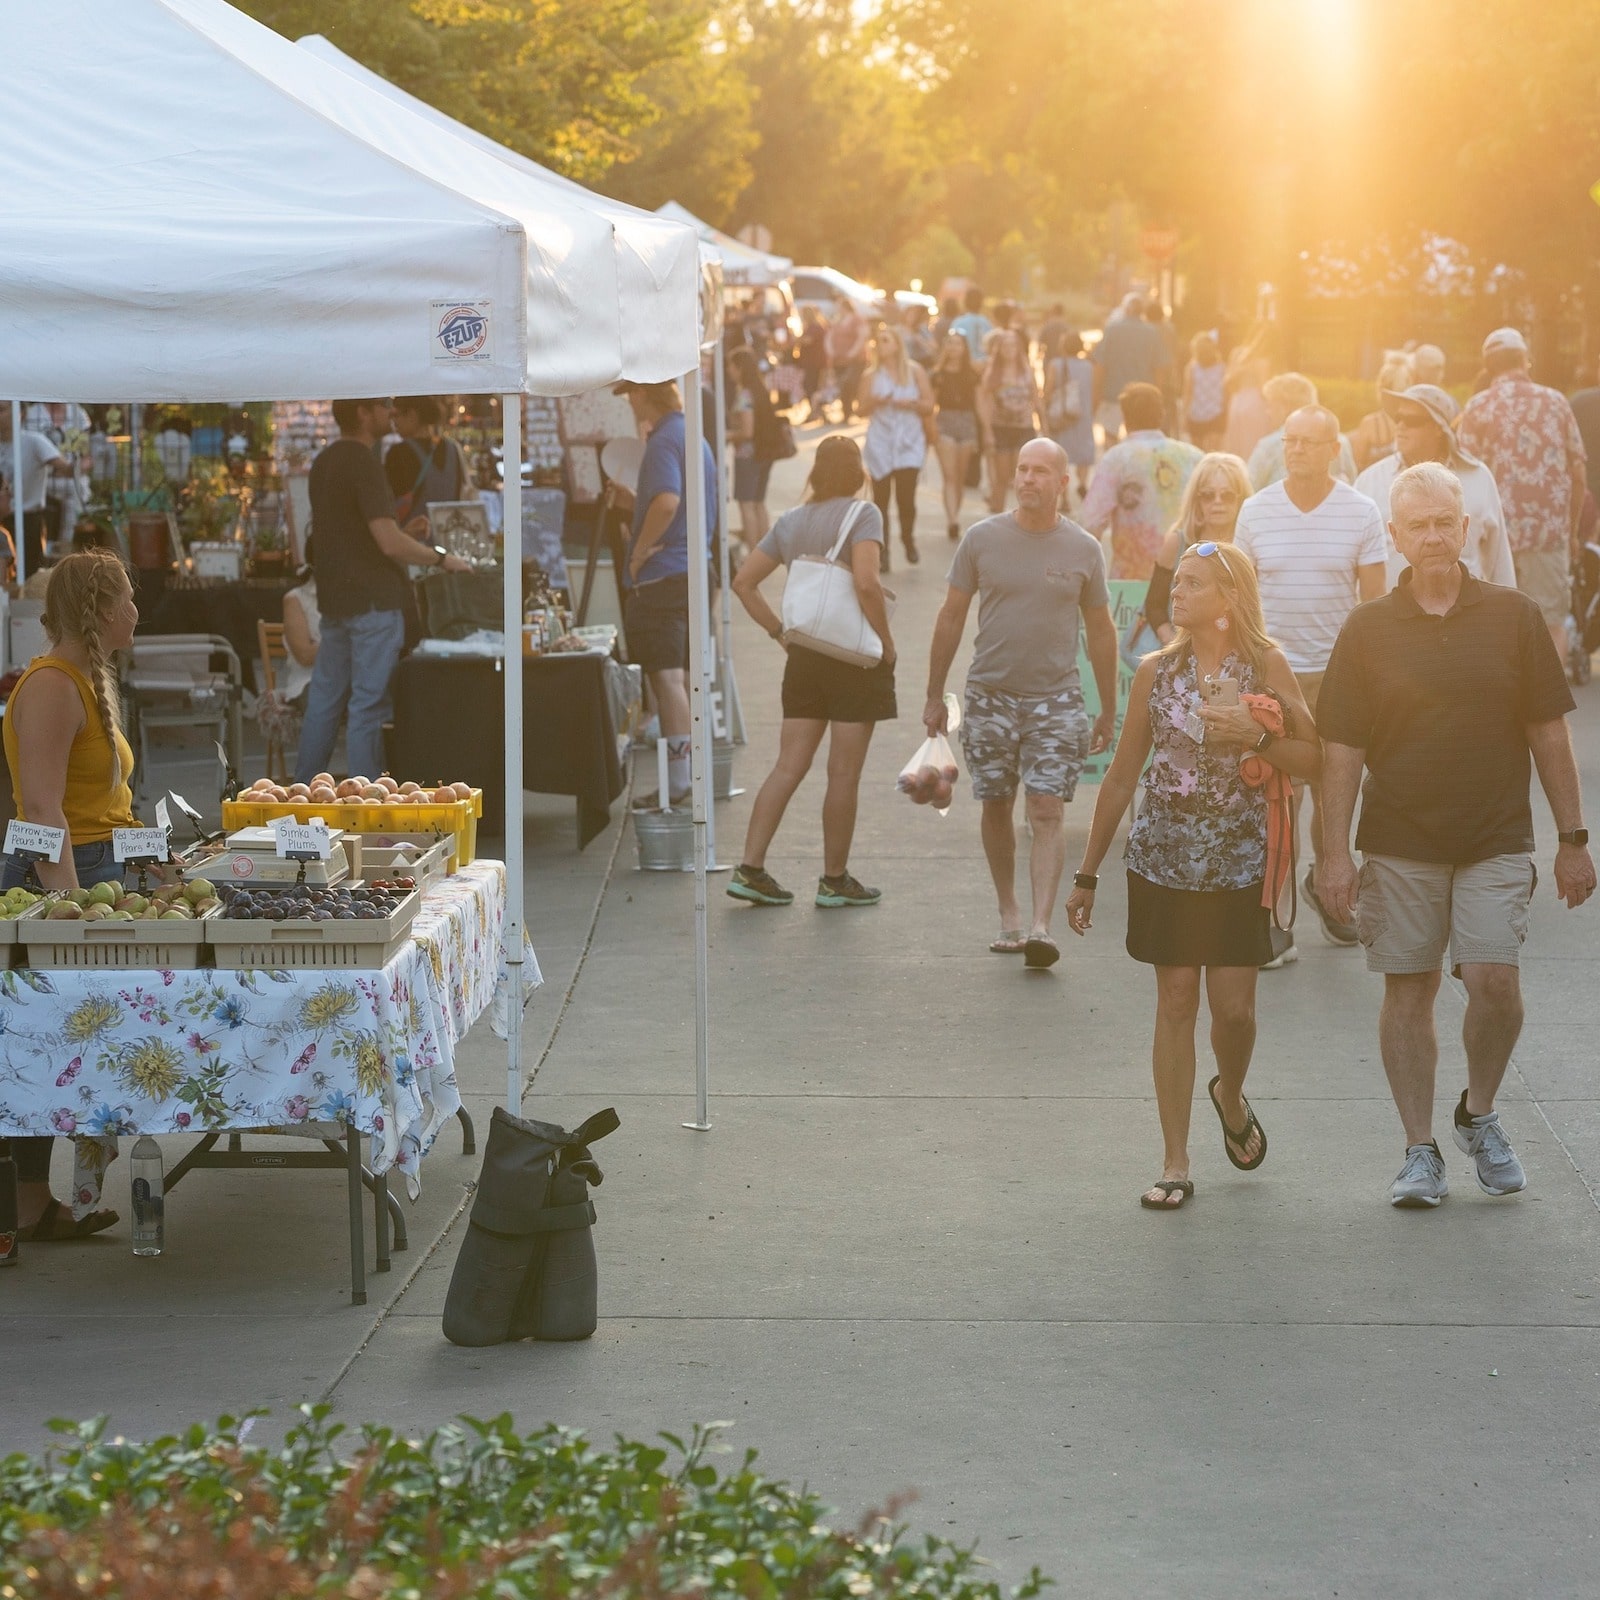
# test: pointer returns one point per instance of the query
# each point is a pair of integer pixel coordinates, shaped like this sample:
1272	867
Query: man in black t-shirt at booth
1443	689
362	590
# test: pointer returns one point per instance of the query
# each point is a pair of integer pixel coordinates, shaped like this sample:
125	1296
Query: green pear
79	897
105	894
65	911
198	889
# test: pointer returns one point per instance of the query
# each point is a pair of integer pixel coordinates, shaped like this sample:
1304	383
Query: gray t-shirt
810	530
1031	589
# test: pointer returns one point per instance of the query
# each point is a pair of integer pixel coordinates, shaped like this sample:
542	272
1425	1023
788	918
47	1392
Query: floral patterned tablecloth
100	1053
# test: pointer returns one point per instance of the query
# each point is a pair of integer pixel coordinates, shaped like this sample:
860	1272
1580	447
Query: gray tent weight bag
527	1268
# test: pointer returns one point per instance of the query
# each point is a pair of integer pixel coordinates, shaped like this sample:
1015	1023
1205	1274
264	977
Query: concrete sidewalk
909	1254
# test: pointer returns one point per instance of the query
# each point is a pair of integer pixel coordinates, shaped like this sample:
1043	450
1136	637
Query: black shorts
820	689
1197	928
656	621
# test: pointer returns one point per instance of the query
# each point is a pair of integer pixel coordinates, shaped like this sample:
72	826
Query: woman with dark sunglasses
1222	722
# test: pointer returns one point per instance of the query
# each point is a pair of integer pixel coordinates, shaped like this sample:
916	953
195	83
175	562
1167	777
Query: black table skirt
449	726
230	609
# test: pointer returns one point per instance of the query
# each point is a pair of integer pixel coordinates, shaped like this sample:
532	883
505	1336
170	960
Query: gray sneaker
1494	1162
1421	1181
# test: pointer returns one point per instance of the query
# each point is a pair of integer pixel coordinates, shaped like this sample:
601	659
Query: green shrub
472	1510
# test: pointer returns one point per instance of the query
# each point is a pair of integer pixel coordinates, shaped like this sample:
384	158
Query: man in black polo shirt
362	585
1442	689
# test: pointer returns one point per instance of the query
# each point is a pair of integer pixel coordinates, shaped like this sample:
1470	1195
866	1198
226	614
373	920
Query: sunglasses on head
1206	547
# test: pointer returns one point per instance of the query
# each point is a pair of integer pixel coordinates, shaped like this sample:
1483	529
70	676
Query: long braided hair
84	587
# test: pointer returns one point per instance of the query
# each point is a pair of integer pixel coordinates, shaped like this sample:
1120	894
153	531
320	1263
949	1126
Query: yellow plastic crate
458	820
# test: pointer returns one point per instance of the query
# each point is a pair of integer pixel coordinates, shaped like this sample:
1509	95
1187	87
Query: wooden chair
269	642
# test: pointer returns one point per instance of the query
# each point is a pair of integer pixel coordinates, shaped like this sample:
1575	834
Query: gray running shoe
1334	931
845	891
1494	1162
1284	953
1421	1181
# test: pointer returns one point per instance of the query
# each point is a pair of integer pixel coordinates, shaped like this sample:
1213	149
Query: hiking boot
759	887
1421	1181
845	891
1284	953
1494	1162
1333	932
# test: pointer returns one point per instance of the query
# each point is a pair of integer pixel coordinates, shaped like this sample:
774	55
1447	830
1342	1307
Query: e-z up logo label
462	330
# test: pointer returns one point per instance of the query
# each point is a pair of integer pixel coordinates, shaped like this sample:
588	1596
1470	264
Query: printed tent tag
139	844
35	841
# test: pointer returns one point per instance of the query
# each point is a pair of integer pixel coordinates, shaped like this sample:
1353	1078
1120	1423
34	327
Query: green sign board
1127	603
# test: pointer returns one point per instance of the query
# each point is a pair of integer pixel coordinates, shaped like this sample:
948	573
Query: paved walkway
909	1254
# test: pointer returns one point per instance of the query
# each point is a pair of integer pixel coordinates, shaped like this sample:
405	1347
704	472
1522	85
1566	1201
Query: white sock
678	763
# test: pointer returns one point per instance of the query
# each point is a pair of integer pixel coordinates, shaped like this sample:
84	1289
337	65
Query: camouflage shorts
1041	741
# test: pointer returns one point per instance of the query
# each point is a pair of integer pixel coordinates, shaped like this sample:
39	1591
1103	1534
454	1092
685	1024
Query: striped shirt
1307	564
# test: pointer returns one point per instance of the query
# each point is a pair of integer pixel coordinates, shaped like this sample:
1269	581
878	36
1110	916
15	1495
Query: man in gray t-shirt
1035	574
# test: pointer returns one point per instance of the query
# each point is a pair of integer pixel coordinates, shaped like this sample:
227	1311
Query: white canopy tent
200	210
743	266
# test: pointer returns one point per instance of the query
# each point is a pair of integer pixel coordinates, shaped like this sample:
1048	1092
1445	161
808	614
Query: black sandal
56	1225
1168	1188
1242	1139
1040	952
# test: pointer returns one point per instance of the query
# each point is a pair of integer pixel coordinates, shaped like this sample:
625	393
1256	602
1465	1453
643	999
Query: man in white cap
1528	438
1424	421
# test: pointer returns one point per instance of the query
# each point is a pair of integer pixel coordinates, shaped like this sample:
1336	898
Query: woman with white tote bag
825	684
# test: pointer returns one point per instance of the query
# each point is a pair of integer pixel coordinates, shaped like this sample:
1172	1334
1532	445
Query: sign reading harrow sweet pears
1127	607
462	330
35	841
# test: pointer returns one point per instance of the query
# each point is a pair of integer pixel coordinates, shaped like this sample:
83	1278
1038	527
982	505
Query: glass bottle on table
149	1202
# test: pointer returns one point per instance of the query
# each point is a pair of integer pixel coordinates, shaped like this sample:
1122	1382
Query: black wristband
1266	741
1086	880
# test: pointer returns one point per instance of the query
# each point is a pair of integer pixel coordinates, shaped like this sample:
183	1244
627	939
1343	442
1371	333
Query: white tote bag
821	611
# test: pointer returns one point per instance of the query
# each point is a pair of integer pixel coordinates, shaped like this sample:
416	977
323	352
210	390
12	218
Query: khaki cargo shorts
1409	912
1545	576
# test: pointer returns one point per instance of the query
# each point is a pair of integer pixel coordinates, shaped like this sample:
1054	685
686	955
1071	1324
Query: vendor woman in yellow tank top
71	768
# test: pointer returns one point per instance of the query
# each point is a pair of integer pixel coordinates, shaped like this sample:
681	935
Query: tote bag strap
856	508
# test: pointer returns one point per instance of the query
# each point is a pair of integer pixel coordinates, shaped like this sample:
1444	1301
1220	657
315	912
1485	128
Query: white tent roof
742	266
198	210
657	259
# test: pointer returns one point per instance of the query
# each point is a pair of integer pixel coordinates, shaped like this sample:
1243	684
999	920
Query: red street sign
1159	244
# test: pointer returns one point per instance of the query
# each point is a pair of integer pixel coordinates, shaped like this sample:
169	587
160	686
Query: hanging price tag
184	806
164	817
34	841
303	841
139	844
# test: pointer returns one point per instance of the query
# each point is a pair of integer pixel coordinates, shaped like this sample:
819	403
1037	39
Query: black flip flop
56	1225
1168	1187
1040	952
1242	1139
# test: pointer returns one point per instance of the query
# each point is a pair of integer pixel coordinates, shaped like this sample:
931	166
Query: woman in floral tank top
1197	856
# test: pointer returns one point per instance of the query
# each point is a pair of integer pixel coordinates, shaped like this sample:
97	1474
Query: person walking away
71	768
895	396
972	324
1374	435
1167	376
1053	329
954	381
1208	853
752	432
1217	488
1012	398
1427	364
1424	422
425	468
40	461
1037	577
655	618
847	353
1528	438
1130	350
1249	366
1319	548
1205	401
949	310
363	589
822	697
918	336
1069	403
813	353
1288	392
1443	690
1138	487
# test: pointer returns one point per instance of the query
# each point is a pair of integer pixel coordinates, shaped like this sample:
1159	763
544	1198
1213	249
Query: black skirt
820	689
1197	928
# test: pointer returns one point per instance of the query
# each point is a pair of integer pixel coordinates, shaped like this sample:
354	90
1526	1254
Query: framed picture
461	528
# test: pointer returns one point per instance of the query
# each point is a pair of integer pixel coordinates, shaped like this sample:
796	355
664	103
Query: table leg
358	1270
469	1135
380	1211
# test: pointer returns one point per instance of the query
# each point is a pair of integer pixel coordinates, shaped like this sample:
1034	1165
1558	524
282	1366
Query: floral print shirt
1199	826
1528	438
1135	492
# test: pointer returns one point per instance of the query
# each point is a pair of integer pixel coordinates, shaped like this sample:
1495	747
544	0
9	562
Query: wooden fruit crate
165	945
246	944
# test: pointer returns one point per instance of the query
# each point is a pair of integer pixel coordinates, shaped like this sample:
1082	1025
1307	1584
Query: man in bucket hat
1424	430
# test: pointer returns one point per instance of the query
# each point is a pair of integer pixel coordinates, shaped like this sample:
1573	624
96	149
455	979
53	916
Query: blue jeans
355	666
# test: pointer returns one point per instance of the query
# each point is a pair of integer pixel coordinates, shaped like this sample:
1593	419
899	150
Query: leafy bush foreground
475	1509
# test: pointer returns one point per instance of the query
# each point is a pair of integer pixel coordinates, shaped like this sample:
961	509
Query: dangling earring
1222	623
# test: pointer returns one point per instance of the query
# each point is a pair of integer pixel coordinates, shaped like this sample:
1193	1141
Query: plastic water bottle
8	1207
148	1199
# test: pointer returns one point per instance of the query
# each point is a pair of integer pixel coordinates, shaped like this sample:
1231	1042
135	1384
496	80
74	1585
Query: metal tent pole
732	711
511	523
694	479
17	513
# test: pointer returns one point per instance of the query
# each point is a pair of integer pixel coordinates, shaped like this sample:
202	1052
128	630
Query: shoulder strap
855	509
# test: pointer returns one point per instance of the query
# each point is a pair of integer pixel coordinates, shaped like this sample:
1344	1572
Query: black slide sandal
1040	952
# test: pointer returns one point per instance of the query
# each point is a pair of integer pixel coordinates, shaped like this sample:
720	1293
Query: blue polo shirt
661	472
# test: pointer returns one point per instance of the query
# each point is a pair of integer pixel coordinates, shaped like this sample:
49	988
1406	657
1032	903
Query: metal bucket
665	840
